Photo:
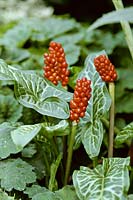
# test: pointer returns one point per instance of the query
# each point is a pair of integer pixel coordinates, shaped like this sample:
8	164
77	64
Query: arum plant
72	113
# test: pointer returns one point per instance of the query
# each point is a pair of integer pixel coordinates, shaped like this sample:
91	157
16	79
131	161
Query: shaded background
84	10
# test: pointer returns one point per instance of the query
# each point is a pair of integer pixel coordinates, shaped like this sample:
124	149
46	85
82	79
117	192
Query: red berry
78	110
105	68
82	114
56	64
73	104
80	99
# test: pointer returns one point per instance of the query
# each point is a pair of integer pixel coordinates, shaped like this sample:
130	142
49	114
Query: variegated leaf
36	92
24	134
98	105
125	134
100	101
109	181
92	138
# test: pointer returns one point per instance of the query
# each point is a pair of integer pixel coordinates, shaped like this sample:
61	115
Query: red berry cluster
80	99
55	68
105	68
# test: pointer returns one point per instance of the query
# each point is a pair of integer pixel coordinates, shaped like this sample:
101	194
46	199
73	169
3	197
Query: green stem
70	152
111	123
55	148
64	140
47	167
95	161
106	123
125	26
53	171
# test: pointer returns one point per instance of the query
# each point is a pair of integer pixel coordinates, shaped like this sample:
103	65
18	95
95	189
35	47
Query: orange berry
105	68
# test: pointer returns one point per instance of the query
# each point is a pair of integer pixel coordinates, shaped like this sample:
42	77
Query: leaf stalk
70	151
111	123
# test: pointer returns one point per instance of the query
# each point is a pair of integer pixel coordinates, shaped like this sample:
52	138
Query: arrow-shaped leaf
98	105
107	181
36	92
100	101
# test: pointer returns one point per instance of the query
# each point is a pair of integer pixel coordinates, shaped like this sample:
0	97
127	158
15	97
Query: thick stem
125	26
55	148
111	122
53	171
70	152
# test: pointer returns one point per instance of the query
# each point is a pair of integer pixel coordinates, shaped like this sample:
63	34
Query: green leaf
4	196
98	105
107	181
30	116
16	36
67	192
125	14
73	75
100	101
52	106
126	100
11	110
81	128
34	189
14	55
7	146
42	28
48	195
92	138
102	39
5	90
60	129
16	173
125	134
24	134
130	197
37	160
72	38
125	78
72	53
36	92
29	150
37	193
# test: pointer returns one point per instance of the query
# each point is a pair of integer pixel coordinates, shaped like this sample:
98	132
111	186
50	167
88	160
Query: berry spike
105	68
80	99
55	68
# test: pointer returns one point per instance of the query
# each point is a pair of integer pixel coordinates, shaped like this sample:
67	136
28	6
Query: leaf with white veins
36	92
109	181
